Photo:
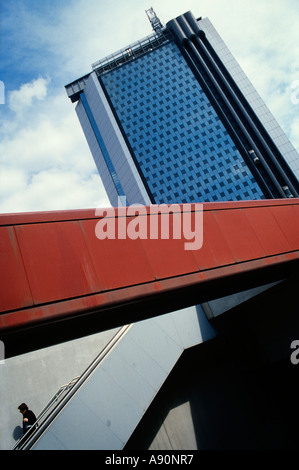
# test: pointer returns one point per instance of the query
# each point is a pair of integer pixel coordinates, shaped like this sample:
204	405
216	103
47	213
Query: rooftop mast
154	20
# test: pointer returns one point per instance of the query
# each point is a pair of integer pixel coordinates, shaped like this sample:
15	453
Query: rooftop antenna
154	20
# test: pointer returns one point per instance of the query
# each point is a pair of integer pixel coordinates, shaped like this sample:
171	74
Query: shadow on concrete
236	402
17	433
241	386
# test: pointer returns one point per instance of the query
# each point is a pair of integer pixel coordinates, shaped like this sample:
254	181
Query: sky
45	162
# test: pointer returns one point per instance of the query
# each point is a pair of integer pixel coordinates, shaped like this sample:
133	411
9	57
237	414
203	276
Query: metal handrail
31	437
54	399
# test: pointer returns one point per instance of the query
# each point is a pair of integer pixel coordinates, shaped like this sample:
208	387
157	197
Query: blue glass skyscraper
172	118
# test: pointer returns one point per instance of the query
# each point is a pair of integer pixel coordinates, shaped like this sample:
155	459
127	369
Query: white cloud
48	138
52	190
45	161
29	92
295	129
12	180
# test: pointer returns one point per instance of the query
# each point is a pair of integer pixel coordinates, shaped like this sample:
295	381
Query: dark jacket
31	420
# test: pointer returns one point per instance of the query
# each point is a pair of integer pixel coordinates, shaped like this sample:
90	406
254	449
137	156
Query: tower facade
172	118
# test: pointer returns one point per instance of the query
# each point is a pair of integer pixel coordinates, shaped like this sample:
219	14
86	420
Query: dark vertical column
262	157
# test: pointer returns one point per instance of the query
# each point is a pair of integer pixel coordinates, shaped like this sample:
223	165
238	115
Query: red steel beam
56	273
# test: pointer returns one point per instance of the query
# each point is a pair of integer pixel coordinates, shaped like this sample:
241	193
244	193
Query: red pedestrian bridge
59	281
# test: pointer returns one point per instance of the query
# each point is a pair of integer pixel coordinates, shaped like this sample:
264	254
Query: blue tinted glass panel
181	145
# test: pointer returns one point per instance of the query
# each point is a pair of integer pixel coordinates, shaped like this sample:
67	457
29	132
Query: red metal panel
46	216
239	234
114	298
118	263
215	250
268	230
57	261
168	258
287	217
14	289
70	272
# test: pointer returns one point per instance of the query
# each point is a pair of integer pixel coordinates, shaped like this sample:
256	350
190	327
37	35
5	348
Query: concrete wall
236	391
35	377
113	399
224	402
